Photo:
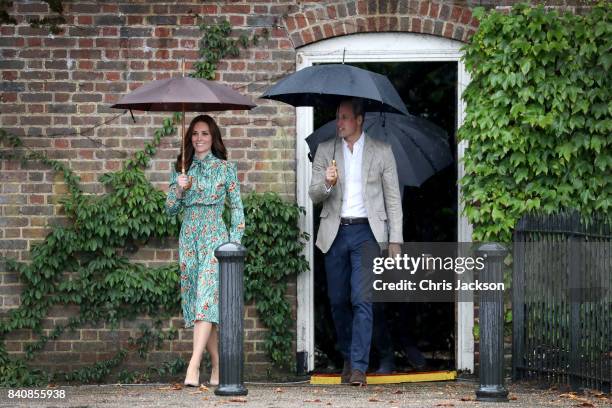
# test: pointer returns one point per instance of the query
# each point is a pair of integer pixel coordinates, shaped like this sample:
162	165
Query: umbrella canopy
420	148
327	85
184	94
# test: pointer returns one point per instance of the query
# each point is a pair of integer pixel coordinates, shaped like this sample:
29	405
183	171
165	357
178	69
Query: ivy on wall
275	245
52	22
538	118
86	263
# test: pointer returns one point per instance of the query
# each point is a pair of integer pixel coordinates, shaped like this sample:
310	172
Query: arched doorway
368	49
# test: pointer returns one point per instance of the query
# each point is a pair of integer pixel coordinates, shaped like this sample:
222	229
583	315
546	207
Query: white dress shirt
353	204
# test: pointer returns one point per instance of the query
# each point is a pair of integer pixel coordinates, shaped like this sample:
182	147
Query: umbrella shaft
183	140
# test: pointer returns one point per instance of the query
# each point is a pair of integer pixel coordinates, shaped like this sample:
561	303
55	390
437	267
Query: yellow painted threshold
325	379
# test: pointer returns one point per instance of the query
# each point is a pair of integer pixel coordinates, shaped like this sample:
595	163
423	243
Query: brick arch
334	19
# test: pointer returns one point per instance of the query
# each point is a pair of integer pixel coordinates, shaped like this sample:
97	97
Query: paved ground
457	394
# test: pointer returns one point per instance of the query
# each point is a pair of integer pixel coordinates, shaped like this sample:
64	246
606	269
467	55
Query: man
361	204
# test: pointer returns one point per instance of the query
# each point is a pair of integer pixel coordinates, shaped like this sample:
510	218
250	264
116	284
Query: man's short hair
357	106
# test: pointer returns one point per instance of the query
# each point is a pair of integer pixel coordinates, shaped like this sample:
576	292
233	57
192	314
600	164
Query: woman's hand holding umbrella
184	182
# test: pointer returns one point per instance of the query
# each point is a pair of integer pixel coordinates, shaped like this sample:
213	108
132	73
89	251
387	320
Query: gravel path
419	395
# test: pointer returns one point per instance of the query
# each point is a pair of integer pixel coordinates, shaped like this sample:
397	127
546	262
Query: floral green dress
203	230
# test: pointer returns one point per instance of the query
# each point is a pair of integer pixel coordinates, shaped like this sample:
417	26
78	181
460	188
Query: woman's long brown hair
217	148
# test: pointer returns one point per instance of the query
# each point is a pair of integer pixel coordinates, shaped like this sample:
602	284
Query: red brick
466	16
85	20
162	54
331	12
135	20
162	32
36	199
434	9
383	23
300	20
371	24
262	55
85	42
7	31
291	23
448	30
88	334
112	165
362	7
310	17
110	31
328	30
423	10
163	65
108	43
237	21
112	54
34	42
110	8
36	108
456	14
9	75
186	20
188	55
209	9
236	9
61	143
416	25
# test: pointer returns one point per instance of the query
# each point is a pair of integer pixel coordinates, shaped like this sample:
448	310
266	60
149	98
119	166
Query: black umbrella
327	85
420	148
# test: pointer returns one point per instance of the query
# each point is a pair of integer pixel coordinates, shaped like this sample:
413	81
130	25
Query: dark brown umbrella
184	94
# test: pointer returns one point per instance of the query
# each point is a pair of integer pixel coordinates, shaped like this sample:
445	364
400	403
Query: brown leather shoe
358	378
345	376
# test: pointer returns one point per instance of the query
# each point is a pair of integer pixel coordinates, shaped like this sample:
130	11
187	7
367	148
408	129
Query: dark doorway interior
430	215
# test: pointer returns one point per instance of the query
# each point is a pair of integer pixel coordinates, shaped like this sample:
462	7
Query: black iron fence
562	301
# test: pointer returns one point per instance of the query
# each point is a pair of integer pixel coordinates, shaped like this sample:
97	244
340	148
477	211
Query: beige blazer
381	193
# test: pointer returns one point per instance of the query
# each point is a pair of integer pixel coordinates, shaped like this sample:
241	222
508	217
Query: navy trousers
347	287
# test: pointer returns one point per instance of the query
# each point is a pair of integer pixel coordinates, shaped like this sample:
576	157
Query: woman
212	178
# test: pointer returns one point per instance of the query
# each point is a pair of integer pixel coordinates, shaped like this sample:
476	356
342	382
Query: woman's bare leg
201	334
213	349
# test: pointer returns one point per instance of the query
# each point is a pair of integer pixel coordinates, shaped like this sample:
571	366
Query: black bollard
492	326
231	311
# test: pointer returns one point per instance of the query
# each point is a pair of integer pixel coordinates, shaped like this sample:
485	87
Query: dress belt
351	221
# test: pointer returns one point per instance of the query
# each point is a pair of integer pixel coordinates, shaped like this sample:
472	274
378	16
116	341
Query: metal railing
562	301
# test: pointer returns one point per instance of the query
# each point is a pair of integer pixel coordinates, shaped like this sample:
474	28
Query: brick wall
56	91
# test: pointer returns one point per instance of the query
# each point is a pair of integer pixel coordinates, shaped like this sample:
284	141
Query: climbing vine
538	118
86	263
275	245
217	43
52	22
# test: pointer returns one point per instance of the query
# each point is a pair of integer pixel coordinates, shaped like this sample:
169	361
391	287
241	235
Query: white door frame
375	47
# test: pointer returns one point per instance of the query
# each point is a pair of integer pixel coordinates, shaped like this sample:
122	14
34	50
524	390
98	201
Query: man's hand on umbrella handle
331	175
